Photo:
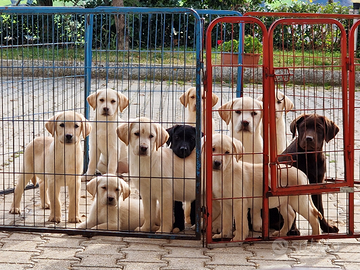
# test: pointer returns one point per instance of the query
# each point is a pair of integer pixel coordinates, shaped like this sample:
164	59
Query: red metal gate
309	64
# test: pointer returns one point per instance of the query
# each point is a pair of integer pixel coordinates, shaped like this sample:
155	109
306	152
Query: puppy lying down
114	207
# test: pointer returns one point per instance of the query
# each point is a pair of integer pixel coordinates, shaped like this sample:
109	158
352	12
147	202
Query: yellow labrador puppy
64	163
113	208
60	157
35	154
156	172
244	115
106	151
234	178
282	104
188	99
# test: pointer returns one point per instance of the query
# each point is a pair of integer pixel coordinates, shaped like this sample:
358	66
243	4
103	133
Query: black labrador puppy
182	141
305	153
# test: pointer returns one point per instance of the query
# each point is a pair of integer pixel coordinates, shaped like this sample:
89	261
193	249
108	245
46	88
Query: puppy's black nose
245	123
143	149
216	164
68	137
309	138
110	199
106	109
183	148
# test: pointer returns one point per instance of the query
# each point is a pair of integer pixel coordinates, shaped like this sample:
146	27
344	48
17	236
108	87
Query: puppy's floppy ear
171	133
51	124
238	147
123	132
288	104
214	99
91	187
260	98
161	135
331	129
295	123
123	101
92	99
184	98
86	127
125	188
224	111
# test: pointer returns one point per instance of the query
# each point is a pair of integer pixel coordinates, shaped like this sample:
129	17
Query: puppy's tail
315	211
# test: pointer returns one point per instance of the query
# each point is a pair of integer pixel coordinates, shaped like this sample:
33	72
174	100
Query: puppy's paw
257	228
87	177
74	219
54	219
14	210
238	237
275	234
187	220
176	230
45	206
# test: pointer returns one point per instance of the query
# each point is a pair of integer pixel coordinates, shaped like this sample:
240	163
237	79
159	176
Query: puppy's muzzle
106	111
184	152
69	138
143	150
217	165
245	125
111	200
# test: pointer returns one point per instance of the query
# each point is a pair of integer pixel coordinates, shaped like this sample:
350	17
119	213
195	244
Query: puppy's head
188	99
107	102
313	130
108	189
245	113
224	150
142	136
182	140
282	103
67	127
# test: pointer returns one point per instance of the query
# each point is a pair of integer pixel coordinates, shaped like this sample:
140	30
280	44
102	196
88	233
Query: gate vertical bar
89	23
351	149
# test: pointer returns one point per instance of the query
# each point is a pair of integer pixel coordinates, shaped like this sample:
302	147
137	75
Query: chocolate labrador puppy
305	153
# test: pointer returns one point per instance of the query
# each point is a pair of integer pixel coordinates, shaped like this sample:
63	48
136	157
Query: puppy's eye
62	125
137	134
238	112
113	101
253	114
213	149
117	190
151	136
192	97
101	100
176	137
76	125
227	152
104	188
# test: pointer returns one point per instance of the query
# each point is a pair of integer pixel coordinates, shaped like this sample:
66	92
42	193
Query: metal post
89	23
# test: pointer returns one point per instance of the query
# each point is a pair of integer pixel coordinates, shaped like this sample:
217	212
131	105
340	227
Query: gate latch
346	189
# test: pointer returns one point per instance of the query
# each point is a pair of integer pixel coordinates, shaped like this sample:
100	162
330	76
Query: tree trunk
122	38
45	2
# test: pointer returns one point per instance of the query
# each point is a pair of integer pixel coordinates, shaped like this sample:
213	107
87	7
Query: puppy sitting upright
106	151
306	154
112	208
182	141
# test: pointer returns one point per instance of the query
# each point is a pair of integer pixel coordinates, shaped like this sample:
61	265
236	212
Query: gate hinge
347	63
267	73
346	189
